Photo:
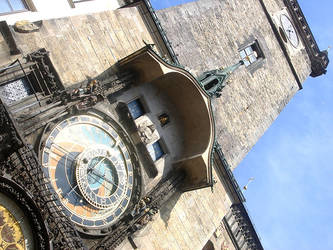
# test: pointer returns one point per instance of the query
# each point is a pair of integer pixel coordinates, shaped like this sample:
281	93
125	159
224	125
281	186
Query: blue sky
291	197
290	200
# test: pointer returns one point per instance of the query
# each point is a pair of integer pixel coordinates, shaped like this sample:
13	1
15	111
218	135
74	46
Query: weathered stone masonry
210	35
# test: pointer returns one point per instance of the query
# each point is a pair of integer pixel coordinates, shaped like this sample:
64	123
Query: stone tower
106	142
282	52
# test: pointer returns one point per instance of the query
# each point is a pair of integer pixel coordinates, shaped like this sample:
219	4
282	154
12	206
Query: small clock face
100	176
289	30
90	169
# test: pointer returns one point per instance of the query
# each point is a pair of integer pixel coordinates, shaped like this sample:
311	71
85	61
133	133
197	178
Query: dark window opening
211	84
136	108
164	119
209	246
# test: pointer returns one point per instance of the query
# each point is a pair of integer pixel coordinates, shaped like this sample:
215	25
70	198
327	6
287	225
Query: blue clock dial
90	169
101	172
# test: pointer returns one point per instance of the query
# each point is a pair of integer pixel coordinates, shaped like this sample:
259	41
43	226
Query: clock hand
63	150
101	182
288	31
93	167
107	179
98	174
73	188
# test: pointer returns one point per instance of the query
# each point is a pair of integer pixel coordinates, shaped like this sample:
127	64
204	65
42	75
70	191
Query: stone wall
186	221
87	45
84	46
207	34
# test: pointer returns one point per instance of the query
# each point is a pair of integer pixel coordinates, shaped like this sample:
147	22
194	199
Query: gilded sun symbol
11	236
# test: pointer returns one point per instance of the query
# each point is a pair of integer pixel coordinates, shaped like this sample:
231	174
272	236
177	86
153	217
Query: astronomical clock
86	166
70	173
88	161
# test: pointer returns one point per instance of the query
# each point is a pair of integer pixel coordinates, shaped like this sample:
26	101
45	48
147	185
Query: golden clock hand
289	31
73	188
98	174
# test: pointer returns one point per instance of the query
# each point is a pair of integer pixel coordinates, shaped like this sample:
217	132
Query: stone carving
146	130
25	26
144	220
28	173
319	59
46	69
87	96
244	227
9	139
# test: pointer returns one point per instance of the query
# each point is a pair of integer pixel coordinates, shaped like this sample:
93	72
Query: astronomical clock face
90	169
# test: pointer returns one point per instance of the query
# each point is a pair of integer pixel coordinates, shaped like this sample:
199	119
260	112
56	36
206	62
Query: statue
214	81
141	206
146	130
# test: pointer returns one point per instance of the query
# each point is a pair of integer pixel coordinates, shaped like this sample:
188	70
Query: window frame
28	6
143	105
250	53
34	74
162	147
72	3
255	46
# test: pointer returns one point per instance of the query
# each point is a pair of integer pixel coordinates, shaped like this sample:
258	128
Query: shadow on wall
166	209
209	246
110	78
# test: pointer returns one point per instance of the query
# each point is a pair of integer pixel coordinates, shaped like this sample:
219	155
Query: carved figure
141	206
146	131
25	26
